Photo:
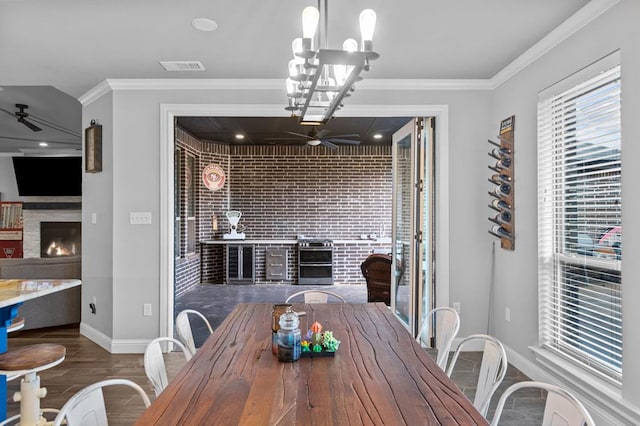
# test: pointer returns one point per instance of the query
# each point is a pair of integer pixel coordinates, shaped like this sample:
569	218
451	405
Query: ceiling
279	130
73	45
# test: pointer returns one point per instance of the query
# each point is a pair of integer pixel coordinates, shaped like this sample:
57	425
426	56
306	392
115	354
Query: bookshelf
11	229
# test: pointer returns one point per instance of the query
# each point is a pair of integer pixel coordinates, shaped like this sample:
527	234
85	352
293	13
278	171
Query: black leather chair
376	270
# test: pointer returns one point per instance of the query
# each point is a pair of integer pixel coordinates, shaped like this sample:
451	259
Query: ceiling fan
29	121
22	116
322	137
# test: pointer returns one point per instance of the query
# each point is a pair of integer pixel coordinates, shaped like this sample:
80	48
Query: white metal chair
184	331
561	407
447	324
87	407
154	365
492	369
315	296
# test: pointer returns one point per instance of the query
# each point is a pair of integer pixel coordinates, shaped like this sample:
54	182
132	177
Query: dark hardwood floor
85	363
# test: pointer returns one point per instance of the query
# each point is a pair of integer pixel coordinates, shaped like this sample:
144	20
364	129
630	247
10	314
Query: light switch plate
140	218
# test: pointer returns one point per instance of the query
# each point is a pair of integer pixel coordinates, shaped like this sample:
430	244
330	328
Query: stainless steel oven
315	262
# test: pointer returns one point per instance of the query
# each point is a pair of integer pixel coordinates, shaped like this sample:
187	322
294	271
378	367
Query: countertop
383	240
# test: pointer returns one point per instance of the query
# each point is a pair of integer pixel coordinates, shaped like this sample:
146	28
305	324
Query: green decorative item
319	344
329	342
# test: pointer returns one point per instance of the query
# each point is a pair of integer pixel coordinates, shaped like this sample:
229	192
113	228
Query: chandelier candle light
320	79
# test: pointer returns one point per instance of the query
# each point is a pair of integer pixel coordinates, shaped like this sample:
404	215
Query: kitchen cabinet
276	264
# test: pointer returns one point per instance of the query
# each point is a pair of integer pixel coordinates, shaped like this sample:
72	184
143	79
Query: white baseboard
129	346
114	346
603	407
95	336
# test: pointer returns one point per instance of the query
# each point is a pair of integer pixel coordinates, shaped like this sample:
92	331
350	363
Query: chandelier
320	79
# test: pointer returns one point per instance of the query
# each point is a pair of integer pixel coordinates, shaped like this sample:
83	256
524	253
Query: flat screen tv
48	176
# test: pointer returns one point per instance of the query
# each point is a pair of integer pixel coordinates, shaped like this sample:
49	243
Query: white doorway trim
168	114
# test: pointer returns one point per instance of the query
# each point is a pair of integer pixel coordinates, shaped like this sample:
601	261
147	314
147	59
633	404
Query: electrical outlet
140	218
507	314
147	309
92	306
456	307
94	218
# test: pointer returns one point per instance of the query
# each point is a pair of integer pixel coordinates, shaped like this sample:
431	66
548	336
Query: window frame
558	289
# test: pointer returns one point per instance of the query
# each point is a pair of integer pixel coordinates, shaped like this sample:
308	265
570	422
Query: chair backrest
315	296
561	407
154	365
184	331
376	270
447	324
493	368
87	406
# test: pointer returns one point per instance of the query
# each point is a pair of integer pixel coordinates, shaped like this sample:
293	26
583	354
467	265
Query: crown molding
424	84
95	93
109	85
572	25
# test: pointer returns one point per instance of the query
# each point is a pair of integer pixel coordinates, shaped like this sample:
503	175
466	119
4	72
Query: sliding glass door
413	222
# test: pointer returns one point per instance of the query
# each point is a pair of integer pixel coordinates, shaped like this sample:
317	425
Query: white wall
98	238
8	184
516	272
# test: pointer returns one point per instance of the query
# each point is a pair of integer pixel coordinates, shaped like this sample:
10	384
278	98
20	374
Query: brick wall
286	191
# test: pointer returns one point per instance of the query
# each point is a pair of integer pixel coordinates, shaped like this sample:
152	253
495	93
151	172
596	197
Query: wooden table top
379	375
15	291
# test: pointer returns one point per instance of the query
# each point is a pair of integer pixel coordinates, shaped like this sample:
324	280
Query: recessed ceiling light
204	24
377	136
239	136
43	144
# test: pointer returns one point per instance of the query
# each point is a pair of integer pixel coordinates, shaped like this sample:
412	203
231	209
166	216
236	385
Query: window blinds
579	219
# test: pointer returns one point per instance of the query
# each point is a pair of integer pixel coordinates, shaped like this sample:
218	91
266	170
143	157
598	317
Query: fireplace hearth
60	239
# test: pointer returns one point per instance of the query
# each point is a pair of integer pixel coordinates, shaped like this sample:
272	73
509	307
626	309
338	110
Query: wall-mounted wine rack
502	196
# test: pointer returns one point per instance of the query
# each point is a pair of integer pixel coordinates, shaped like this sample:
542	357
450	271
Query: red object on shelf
11	229
11	249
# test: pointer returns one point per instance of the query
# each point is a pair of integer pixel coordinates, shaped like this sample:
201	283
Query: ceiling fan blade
300	134
29	124
323	133
283	139
40	140
344	141
351	136
328	144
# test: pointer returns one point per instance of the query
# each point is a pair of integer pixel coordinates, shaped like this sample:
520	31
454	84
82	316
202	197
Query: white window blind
579	219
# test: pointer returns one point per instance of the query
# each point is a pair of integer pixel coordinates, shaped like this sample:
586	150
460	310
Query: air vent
182	65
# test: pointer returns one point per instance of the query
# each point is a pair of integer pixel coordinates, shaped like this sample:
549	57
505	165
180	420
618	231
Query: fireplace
59	239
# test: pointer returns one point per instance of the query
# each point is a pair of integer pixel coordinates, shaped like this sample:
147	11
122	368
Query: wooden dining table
379	375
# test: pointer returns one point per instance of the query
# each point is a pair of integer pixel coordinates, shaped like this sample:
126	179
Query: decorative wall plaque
213	177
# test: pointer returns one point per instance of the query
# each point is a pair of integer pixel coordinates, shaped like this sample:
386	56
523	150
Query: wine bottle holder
502	195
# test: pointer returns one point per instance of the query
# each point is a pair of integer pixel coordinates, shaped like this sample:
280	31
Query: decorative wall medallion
213	177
